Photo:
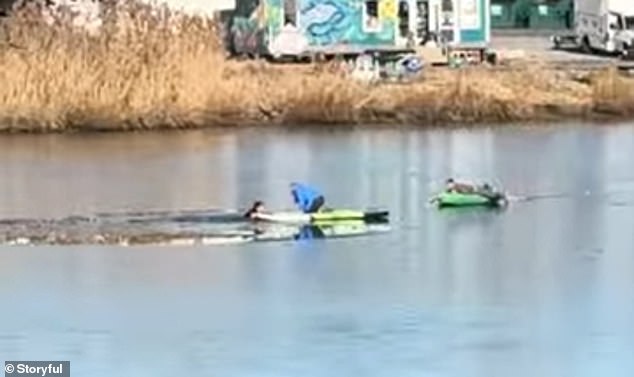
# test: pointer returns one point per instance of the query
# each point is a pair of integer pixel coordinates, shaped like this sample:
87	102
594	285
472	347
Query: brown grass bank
144	76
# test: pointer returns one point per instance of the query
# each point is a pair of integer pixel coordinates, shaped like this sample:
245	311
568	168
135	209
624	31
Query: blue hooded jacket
304	196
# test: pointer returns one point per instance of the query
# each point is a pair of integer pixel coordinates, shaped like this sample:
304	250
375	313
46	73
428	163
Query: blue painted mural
326	22
321	22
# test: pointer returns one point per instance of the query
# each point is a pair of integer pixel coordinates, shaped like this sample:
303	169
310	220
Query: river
543	288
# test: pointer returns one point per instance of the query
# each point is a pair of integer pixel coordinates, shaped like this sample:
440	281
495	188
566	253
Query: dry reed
139	73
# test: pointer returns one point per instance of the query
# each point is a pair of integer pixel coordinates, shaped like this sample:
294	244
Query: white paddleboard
285	217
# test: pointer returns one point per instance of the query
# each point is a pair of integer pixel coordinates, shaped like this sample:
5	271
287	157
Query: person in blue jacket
308	199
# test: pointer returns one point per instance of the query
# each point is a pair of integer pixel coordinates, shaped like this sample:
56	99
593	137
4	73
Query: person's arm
296	199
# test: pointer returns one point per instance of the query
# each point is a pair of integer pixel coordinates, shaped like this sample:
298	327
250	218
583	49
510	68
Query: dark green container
501	15
521	11
550	15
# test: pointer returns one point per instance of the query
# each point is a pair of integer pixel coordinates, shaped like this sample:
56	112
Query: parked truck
605	26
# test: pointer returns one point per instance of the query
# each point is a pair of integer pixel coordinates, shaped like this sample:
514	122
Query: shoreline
468	97
549	115
139	79
557	117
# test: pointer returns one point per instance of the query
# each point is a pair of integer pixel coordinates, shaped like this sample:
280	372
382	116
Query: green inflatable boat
455	199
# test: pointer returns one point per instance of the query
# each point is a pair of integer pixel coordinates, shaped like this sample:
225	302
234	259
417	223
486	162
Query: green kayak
454	199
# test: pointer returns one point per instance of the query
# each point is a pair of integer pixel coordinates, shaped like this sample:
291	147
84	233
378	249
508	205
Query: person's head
449	181
486	186
258	206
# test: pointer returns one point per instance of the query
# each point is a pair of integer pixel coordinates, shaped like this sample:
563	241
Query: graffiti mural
248	38
275	16
249	29
388	10
326	22
258	24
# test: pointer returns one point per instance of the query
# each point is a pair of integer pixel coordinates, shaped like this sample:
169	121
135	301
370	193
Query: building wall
320	22
197	7
532	14
347	21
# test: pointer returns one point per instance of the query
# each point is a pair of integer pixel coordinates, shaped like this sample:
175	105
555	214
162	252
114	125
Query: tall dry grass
613	94
148	70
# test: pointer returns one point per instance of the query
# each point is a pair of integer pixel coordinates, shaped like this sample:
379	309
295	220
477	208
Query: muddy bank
142	76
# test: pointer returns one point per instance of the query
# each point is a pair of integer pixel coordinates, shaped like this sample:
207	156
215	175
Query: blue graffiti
326	22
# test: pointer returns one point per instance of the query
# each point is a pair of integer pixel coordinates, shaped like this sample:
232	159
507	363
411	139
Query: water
541	289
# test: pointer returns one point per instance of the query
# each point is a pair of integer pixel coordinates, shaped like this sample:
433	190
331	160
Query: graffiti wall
320	22
360	22
248	27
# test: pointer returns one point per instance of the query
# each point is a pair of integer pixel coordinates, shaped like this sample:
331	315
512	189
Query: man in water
489	192
308	199
256	208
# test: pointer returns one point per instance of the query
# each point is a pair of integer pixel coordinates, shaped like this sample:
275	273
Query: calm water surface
541	289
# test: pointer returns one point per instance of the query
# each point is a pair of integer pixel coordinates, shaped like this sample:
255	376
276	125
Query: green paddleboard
346	214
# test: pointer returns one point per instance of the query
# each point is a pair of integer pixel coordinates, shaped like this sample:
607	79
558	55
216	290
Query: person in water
492	194
307	199
256	208
486	189
463	188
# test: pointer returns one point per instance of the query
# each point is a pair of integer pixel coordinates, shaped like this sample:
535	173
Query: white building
196	7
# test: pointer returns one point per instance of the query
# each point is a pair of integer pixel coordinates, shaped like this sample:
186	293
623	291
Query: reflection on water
540	289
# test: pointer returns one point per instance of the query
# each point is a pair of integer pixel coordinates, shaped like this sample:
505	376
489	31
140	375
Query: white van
603	25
